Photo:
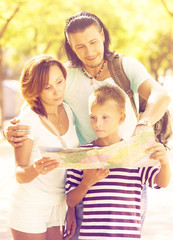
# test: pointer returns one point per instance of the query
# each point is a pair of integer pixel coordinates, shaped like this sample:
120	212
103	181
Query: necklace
96	76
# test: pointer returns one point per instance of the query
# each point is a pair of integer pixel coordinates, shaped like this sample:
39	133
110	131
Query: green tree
160	54
38	28
167	7
5	21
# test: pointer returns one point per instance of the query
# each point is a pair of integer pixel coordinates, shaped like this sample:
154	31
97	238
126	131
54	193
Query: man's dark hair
79	22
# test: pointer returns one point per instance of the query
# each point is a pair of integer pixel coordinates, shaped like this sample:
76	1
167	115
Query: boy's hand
70	223
159	153
92	176
16	134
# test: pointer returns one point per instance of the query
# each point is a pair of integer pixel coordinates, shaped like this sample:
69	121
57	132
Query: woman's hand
16	134
27	173
45	165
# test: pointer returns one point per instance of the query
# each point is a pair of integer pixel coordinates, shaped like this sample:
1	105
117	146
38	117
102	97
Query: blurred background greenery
139	28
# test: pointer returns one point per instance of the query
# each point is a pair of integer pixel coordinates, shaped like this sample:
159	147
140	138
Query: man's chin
94	65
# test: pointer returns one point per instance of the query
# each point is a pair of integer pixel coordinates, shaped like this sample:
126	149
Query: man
87	46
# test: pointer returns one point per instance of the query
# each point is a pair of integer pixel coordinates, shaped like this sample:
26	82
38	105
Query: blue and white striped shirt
112	207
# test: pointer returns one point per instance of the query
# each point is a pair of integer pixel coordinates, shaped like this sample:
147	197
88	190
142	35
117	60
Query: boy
112	197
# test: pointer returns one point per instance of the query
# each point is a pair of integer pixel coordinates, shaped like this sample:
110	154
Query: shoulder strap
54	129
117	73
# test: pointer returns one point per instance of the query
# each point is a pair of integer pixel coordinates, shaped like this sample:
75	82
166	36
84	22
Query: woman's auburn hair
35	77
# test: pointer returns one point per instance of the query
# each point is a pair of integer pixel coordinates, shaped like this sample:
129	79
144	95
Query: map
127	153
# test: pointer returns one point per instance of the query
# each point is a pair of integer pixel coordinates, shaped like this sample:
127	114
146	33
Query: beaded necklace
96	76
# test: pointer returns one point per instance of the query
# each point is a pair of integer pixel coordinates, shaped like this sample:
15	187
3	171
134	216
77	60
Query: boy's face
105	119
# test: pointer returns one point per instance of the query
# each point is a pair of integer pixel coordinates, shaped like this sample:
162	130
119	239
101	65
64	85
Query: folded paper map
127	153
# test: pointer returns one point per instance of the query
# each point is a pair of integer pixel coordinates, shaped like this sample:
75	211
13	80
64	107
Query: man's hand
16	134
140	129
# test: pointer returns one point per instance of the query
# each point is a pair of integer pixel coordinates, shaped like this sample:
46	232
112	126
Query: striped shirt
112	207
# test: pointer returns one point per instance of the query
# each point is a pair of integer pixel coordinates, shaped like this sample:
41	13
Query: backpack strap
117	73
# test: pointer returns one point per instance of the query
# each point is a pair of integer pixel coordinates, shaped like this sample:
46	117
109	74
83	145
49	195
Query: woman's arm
26	172
90	177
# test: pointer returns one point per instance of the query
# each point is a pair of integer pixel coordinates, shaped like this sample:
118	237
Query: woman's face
88	45
53	93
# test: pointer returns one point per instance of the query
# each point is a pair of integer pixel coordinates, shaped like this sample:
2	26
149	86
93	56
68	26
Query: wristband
143	122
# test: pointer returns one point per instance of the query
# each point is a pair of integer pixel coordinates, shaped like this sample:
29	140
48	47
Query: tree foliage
142	29
167	6
29	28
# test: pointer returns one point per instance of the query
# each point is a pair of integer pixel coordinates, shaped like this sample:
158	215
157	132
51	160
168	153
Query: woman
38	202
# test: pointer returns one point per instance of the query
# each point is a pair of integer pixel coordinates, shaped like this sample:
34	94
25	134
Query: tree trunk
166	8
1	93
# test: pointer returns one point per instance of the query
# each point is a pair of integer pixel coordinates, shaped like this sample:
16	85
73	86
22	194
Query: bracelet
143	122
35	168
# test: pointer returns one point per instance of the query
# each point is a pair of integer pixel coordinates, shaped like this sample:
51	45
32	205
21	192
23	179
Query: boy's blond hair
108	92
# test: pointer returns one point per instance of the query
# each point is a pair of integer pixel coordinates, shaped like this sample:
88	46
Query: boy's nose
98	123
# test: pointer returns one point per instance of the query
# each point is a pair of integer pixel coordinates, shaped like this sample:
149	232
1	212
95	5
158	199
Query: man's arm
157	103
157	100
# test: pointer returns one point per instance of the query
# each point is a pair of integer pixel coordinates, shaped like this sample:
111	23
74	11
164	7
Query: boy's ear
122	117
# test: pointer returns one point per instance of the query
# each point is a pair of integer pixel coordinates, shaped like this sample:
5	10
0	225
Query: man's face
88	45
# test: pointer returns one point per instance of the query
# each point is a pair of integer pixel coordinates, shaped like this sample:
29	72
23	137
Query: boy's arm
162	179
90	177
